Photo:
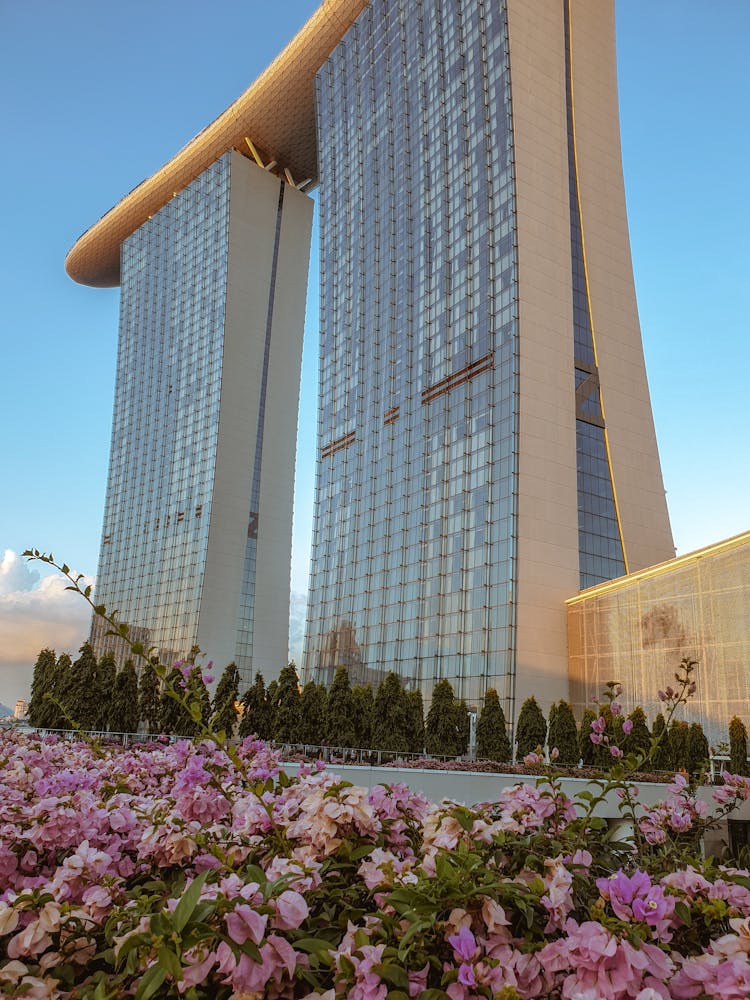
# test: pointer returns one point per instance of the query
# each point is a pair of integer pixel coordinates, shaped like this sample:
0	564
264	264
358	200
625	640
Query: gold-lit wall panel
637	629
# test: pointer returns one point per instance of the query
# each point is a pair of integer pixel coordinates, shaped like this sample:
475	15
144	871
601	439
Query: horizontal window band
341	442
467	371
429	395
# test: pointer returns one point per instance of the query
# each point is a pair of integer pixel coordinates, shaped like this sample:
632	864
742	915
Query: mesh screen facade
637	629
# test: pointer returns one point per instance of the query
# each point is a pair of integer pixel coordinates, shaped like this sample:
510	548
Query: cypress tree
198	702
255	721
83	699
272	707
313	705
389	729
492	731
463	727
587	748
148	698
737	746
614	731
531	729
42	683
414	709
678	739
224	718
339	712
566	735
124	716
287	716
442	737
552	727
638	740
57	716
661	755
107	674
363	706
697	749
173	716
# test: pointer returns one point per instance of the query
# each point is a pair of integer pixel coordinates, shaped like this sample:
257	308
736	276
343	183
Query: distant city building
21	710
486	440
635	630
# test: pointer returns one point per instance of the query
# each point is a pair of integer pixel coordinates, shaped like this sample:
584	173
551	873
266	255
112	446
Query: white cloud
34	613
15	574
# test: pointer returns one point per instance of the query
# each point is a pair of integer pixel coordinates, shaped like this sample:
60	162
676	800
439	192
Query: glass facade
600	550
413	560
166	418
637	629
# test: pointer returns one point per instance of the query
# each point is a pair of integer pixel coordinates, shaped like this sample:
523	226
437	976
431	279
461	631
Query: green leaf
316	946
683	912
188	902
150	982
347	966
396	995
254	873
433	994
161	924
169	961
392	974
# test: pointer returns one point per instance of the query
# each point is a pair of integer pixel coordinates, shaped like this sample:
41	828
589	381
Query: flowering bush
176	870
200	869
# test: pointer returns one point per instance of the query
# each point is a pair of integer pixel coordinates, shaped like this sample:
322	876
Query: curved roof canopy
277	113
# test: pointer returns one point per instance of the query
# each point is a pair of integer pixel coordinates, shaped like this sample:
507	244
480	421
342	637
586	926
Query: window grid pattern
166	416
413	559
599	542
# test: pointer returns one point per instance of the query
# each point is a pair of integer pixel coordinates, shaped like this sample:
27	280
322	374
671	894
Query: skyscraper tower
486	444
486	441
211	253
201	472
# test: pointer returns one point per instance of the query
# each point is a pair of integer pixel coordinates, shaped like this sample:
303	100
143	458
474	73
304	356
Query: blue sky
99	95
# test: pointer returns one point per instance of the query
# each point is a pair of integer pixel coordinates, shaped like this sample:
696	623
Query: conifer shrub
81	699
340	731
415	721
444	733
313	702
678	740
698	751
363	712
149	704
638	740
255	719
174	718
737	746
563	734
531	729
492	731
224	717
123	715
586	747
107	672
661	755
41	685
390	724
286	722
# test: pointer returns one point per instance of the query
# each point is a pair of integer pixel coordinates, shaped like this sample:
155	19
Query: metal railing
357	756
